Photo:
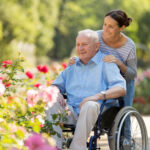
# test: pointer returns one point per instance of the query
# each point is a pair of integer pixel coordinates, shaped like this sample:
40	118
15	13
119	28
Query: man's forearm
111	93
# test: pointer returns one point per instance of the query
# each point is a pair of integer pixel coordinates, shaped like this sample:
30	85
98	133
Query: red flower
41	125
38	67
64	65
135	100
29	75
37	85
139	100
6	62
43	69
7	84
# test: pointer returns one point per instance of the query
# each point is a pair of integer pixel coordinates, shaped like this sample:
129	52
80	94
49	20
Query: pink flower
37	142
147	73
32	97
43	69
49	94
6	62
29	75
139	79
34	141
64	65
2	88
1	78
46	147
13	127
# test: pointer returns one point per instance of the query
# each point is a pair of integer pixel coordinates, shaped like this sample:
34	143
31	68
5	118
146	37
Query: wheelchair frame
114	129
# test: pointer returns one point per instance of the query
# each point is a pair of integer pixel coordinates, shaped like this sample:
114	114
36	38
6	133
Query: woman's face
110	27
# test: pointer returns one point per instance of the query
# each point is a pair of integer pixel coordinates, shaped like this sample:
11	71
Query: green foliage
78	15
21	112
27	21
51	26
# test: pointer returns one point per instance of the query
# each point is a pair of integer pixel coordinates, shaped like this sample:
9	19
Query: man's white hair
90	33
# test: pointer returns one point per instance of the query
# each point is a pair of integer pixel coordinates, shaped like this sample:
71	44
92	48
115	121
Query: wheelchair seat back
107	117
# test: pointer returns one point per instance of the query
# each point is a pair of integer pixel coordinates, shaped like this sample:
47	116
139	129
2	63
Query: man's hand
61	99
90	98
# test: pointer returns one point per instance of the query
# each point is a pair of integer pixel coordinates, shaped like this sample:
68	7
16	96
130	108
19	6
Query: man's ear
97	45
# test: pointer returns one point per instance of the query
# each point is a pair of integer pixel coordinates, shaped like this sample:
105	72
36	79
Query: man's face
86	48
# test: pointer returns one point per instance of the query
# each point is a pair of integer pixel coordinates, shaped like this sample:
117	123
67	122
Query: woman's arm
72	61
129	71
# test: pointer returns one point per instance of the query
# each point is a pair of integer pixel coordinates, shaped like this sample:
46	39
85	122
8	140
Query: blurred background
45	30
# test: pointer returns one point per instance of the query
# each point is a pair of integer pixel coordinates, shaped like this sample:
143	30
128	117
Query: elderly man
87	83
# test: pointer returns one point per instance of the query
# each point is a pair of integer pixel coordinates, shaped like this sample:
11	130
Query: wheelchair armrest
120	100
65	96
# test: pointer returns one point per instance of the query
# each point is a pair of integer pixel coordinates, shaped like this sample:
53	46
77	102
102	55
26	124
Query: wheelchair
113	122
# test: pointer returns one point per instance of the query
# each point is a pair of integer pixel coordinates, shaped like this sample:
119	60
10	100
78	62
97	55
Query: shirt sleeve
131	72
60	81
112	76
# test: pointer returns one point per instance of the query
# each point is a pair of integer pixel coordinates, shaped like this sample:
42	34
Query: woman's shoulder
130	43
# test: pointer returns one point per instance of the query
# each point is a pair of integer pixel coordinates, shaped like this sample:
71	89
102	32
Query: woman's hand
113	59
110	59
72	61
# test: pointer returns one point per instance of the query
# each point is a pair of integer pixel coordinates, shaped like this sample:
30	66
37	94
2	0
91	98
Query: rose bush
24	95
142	92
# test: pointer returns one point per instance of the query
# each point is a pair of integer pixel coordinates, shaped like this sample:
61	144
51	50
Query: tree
27	21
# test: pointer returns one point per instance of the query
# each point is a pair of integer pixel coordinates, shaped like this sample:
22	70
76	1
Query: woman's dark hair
120	16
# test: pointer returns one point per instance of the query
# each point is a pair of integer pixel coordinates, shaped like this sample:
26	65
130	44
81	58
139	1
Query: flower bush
24	95
142	92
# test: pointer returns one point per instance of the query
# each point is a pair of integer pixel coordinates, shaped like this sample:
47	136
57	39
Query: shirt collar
95	59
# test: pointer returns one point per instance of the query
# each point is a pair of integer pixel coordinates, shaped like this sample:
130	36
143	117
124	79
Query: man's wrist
103	94
99	96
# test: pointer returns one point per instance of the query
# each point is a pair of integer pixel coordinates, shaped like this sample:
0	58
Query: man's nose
80	47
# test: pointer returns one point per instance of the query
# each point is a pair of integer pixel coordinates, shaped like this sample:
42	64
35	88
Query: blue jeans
128	98
128	101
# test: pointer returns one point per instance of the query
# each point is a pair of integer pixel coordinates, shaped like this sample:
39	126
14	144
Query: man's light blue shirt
79	80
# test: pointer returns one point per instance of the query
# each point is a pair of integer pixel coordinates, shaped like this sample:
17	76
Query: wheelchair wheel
128	131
